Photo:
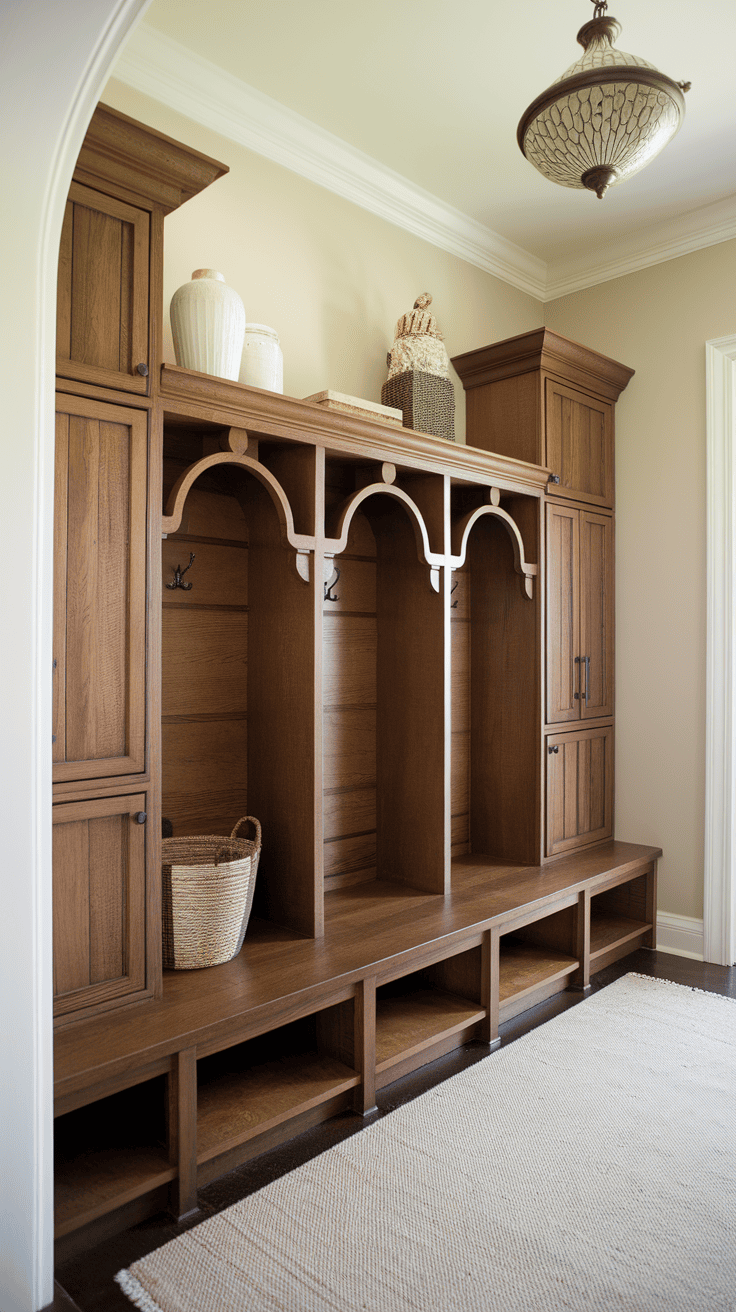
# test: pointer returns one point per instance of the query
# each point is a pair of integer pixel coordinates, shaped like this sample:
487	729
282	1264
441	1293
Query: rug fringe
133	1289
687	988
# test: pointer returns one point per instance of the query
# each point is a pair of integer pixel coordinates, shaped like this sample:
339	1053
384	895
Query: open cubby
495	638
621	919
536	961
383	696
251	1088
238	657
427	1013
109	1153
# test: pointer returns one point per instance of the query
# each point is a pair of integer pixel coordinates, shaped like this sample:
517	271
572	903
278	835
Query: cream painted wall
658	321
330	277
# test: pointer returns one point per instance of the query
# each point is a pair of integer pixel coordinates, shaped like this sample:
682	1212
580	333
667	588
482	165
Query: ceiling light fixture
605	118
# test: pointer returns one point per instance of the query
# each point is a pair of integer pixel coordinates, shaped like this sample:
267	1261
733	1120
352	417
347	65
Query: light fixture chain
600	8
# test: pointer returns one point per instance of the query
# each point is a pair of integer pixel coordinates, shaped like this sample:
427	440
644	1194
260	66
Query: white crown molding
162	68
651	245
165	70
681	935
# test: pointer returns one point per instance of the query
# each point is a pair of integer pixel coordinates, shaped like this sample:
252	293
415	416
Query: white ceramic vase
263	361
208	325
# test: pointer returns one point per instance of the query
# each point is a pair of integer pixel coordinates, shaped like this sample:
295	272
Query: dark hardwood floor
87	1279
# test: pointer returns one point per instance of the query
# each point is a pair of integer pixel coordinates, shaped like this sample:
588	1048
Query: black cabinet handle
576	695
142	370
141	817
553	478
554	749
587	677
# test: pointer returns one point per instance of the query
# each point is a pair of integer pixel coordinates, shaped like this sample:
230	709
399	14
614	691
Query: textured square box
426	401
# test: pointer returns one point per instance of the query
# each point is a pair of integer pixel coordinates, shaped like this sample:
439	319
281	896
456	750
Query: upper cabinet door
579	444
563	614
596	614
102	304
99	590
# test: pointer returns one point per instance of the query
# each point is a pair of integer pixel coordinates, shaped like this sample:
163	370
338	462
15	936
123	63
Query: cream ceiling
433	91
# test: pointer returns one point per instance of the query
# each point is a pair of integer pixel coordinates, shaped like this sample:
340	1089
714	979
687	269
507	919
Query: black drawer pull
141	817
143	371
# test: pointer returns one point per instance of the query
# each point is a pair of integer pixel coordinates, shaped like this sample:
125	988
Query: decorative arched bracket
177	497
337	544
462	530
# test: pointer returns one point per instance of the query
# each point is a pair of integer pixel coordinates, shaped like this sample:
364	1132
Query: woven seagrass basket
208	885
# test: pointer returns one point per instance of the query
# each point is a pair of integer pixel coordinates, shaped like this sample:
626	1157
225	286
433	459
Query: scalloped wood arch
349	508
462	530
178	495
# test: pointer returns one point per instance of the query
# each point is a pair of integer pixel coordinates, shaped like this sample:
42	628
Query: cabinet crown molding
146	166
547	351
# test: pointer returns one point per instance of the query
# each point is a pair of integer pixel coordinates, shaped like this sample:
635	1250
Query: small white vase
263	360
208	325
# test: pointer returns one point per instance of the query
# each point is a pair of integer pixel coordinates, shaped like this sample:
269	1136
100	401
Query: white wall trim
681	935
719	911
654	244
52	77
160	67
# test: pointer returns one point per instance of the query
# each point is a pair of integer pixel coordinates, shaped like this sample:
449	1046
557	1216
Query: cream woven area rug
587	1166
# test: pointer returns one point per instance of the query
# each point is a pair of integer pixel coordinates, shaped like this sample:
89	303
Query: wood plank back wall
350	655
204	663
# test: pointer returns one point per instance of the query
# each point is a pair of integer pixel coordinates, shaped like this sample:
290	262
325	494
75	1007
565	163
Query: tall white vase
208	325
263	360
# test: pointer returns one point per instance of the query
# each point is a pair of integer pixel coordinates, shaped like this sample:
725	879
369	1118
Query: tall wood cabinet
107	481
542	397
395	651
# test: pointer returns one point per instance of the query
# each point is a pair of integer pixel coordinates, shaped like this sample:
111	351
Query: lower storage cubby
621	920
426	1014
110	1153
253	1088
536	961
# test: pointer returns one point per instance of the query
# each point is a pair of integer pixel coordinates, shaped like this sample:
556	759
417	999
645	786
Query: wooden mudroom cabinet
105	644
542	397
361	661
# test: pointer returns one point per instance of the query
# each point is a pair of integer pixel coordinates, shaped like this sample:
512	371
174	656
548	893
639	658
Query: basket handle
255	823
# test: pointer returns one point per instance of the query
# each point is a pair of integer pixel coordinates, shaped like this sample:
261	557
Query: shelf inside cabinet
525	967
609	931
109	1154
409	1023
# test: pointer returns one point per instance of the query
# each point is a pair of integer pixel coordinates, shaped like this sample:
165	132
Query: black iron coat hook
333	584
179	575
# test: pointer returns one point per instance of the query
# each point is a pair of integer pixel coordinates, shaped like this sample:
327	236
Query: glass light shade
605	118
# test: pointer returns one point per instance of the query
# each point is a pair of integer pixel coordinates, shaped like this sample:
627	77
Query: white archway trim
719	911
52	77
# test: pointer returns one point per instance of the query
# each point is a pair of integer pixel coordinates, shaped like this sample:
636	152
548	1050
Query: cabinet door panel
579	789
596	614
563	612
579	444
102	301
99	902
99	590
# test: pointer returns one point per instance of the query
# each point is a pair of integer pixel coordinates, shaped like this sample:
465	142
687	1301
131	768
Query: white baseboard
680	934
